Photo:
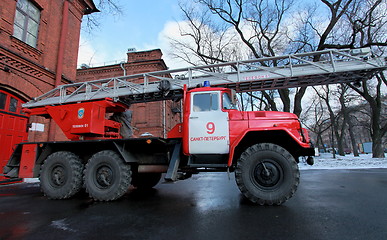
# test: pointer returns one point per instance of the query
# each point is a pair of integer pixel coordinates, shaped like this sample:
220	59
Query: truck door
208	125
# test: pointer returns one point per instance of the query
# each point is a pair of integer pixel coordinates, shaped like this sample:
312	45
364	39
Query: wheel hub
267	174
58	176
104	176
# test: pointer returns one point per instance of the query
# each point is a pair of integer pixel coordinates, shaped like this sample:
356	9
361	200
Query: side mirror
233	97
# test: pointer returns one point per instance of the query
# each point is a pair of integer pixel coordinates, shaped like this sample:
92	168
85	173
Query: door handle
193	117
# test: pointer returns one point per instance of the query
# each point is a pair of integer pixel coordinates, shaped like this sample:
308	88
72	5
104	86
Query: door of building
13	127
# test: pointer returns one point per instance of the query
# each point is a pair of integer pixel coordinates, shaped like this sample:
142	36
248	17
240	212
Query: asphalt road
329	204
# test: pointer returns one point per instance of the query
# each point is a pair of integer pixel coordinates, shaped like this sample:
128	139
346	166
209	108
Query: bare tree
369	30
346	98
309	30
352	24
204	41
378	121
316	120
338	122
112	7
351	130
260	28
257	25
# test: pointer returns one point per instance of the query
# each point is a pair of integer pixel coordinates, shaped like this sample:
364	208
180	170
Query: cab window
227	103
205	102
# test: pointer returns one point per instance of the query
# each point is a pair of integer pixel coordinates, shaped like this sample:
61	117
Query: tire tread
76	167
245	158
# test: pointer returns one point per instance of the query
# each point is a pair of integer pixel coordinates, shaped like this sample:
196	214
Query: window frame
213	102
3	101
16	108
13	104
227	103
26	23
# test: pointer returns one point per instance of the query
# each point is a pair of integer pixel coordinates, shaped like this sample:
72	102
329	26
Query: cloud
87	53
96	54
171	30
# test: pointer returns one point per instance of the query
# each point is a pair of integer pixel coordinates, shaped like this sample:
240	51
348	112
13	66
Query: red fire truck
262	148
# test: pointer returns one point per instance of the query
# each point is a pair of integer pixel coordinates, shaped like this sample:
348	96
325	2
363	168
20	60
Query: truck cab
215	132
262	148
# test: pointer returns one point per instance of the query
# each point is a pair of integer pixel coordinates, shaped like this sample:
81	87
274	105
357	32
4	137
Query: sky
142	25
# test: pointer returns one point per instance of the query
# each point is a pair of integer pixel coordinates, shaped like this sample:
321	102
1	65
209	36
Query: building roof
90	7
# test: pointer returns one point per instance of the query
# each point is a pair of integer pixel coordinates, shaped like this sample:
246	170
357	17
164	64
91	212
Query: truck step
174	164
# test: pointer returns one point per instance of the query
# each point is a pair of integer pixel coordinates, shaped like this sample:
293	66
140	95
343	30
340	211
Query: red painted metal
186	114
27	162
13	126
242	122
84	121
176	131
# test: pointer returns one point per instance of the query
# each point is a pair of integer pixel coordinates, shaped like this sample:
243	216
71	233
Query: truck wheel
267	174
107	177
146	180
61	175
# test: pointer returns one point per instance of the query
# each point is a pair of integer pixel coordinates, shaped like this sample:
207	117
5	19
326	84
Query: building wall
156	118
29	71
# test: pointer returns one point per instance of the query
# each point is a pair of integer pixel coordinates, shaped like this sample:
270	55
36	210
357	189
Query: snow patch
31	180
60	224
326	161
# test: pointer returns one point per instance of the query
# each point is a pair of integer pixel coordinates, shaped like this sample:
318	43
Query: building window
3	98
13	105
26	24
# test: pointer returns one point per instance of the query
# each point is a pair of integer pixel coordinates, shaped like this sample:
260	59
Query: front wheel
107	177
267	174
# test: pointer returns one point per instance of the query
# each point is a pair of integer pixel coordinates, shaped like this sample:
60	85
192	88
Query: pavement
329	204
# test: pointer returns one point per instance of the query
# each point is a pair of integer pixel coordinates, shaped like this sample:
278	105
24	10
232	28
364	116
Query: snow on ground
326	161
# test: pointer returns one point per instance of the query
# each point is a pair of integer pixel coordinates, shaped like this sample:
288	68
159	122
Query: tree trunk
339	138
377	145
335	128
284	94
352	136
377	130
297	101
321	143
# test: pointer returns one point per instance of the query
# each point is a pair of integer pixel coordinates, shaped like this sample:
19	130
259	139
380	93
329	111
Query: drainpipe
123	68
164	120
59	62
62	43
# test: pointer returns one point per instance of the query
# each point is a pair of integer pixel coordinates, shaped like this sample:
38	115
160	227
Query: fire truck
262	148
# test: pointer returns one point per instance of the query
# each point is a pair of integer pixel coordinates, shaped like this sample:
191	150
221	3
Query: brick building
156	118
39	42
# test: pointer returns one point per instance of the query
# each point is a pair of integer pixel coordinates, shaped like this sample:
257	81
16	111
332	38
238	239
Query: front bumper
306	152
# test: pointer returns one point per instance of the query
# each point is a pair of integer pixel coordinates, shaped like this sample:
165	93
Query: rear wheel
61	175
146	180
107	176
267	174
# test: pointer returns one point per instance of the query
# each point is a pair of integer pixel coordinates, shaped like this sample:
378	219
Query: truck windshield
227	103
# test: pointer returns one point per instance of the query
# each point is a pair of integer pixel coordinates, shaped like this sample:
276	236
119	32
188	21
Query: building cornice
13	60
